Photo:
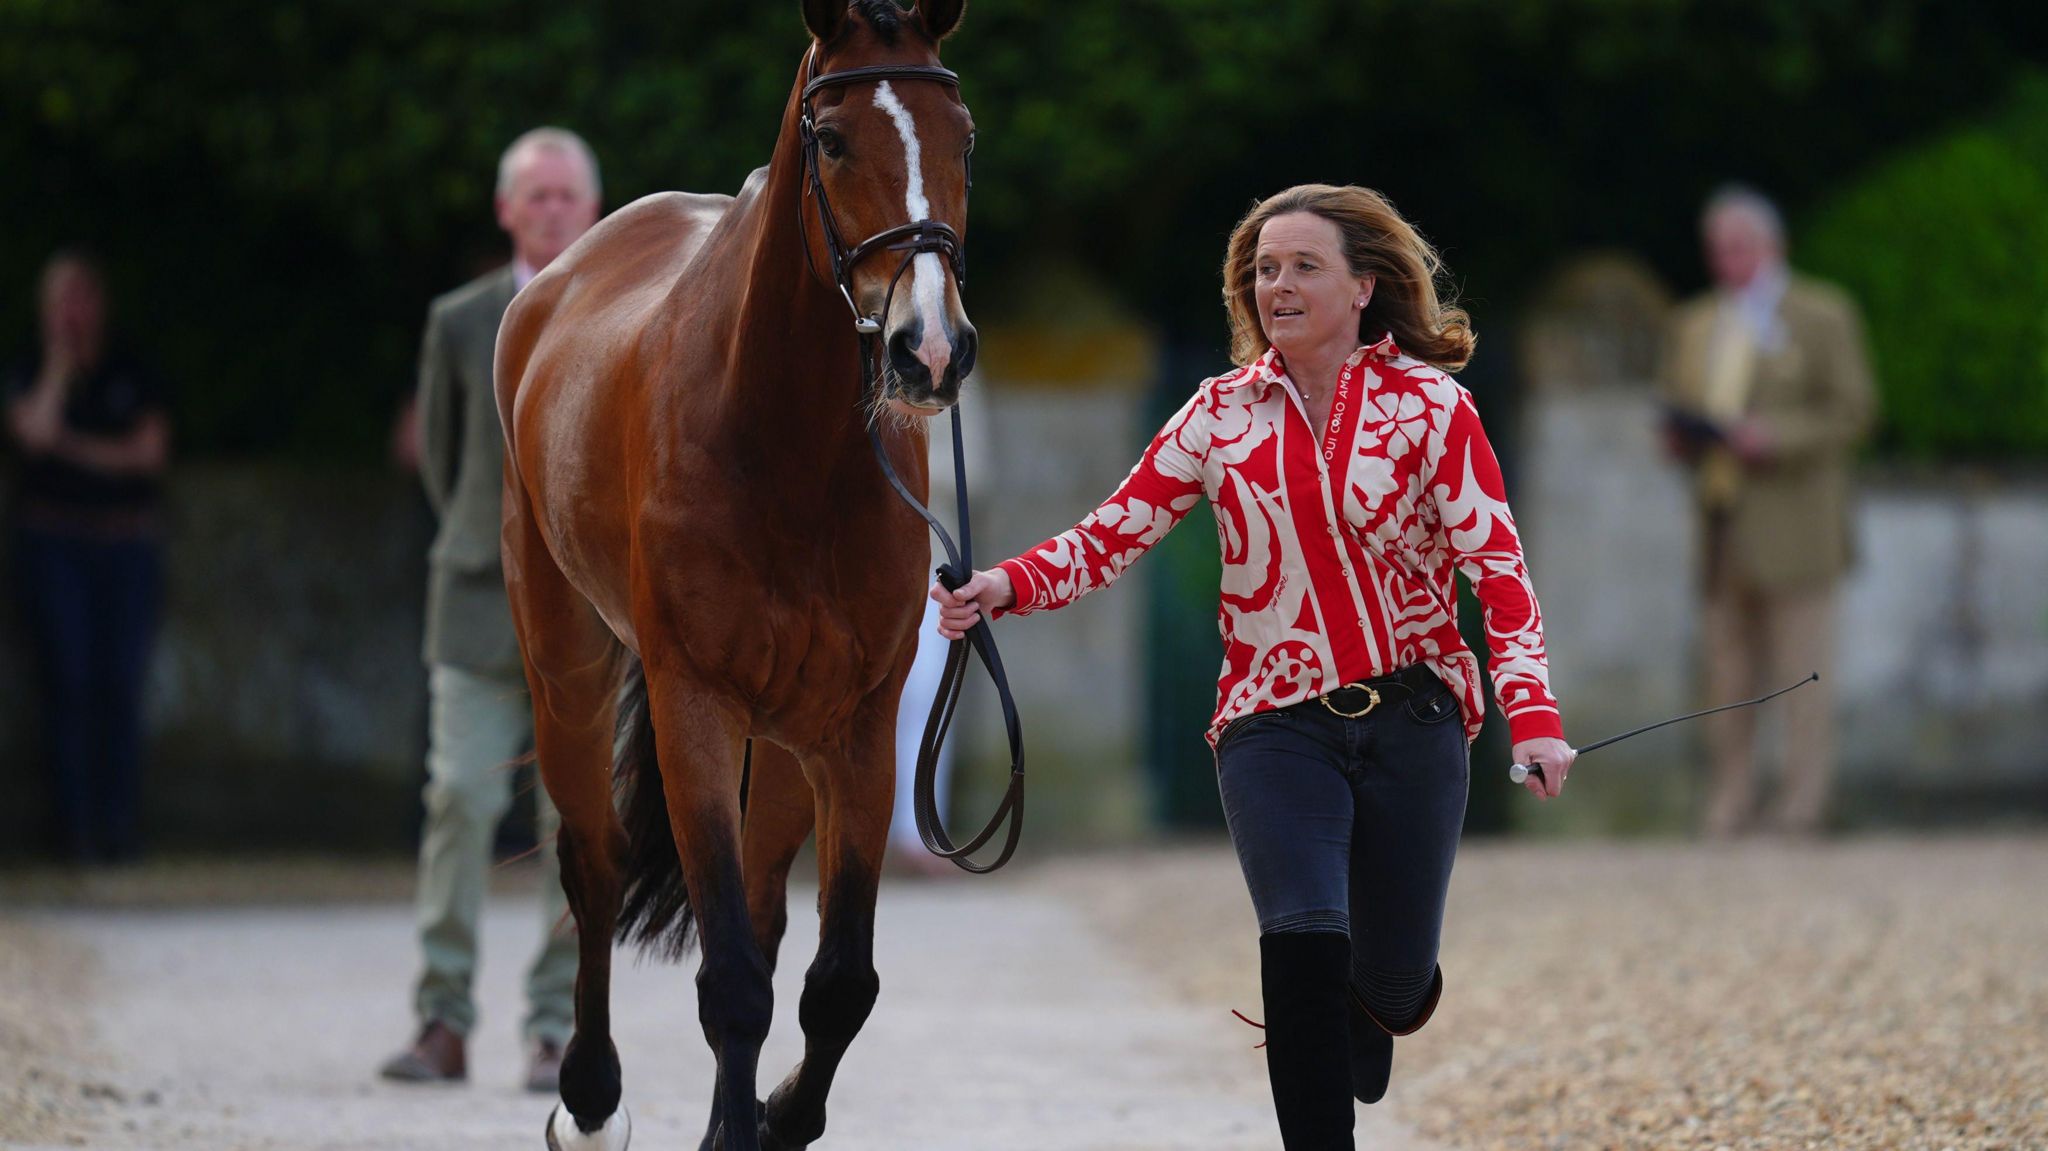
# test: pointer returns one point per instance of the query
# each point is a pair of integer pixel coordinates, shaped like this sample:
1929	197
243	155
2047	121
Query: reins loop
913	239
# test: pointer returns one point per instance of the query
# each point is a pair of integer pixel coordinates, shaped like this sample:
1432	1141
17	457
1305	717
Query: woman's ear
1364	297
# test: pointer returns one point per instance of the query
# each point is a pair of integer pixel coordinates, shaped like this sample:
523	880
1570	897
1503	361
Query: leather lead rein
913	239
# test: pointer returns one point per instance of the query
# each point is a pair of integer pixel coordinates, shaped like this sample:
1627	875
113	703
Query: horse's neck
792	383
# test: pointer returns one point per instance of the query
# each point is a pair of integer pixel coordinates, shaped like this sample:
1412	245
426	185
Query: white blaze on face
928	276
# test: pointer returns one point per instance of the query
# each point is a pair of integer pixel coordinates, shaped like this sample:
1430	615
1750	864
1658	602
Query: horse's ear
940	16
825	18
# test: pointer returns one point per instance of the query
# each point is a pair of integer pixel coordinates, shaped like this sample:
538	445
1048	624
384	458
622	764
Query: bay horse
715	589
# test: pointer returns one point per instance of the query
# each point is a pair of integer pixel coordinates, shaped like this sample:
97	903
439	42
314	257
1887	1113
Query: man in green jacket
1770	387
479	715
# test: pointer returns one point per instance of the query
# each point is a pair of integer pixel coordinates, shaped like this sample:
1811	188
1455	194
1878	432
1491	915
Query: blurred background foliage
1946	246
279	187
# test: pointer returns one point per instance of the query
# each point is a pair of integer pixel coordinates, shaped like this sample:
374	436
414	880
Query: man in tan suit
479	718
1770	391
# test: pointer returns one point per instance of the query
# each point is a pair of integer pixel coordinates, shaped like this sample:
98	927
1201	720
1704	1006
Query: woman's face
1306	295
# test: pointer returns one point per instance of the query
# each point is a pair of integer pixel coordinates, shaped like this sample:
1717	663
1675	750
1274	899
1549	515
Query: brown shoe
544	1068
435	1057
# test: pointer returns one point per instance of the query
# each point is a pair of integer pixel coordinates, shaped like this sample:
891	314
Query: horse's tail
656	911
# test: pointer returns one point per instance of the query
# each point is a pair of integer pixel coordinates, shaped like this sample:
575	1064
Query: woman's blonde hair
1377	243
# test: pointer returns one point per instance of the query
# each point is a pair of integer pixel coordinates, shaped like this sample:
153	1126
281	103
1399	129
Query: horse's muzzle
914	359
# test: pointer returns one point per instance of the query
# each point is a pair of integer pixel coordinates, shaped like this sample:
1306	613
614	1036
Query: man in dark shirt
93	434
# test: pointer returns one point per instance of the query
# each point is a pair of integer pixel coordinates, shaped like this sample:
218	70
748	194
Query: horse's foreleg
698	742
778	819
855	796
780	814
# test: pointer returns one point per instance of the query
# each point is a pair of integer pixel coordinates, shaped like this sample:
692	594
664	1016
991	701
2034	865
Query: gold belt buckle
1372	700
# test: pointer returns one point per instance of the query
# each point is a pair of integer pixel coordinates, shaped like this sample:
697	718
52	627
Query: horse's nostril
903	347
965	344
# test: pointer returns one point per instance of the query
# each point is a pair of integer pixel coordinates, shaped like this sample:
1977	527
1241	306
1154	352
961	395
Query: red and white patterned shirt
1338	550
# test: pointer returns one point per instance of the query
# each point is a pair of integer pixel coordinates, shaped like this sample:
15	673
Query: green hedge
279	186
1946	247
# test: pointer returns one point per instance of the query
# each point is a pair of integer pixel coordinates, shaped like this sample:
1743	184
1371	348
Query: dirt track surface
1887	994
1005	1023
1882	994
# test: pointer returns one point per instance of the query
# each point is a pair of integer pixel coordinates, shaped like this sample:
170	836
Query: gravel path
1883	994
44	1044
1874	994
1005	1023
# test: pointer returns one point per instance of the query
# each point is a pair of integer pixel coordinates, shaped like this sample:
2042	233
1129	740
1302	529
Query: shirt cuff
1021	584
1535	723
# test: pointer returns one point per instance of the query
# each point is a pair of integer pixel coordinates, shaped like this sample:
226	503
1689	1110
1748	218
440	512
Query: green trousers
478	724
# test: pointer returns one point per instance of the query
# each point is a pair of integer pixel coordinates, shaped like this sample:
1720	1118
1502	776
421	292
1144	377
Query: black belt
1357	700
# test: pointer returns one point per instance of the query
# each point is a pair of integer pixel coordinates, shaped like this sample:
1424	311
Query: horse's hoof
565	1135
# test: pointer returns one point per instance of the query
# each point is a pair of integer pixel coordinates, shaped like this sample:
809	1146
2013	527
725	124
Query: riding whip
1522	771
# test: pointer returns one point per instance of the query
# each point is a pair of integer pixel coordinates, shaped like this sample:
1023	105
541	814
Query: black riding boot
1307	1037
1372	1038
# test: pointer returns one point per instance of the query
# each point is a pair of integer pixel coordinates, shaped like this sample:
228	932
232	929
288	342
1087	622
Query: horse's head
892	151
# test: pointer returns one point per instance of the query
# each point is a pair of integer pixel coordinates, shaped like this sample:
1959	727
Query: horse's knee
735	998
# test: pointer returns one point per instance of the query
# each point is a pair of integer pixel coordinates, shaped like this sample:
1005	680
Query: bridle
914	239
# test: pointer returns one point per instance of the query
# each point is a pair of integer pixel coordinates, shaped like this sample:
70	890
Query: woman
1350	477
93	434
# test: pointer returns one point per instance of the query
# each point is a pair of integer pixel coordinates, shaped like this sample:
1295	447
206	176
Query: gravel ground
44	1041
1860	994
1876	994
1005	1024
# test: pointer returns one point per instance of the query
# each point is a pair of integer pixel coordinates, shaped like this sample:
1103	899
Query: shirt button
1362	625
1333	532
1347	573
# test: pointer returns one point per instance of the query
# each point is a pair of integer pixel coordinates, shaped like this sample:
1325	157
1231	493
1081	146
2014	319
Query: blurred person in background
1769	390
479	716
93	430
1351	479
922	686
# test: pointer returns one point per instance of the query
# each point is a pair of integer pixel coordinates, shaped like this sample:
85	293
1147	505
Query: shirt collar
522	273
1270	369
1755	304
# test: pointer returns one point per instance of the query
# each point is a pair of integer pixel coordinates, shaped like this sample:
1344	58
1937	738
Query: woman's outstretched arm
1159	492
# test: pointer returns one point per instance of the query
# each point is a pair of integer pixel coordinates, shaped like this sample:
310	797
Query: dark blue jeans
92	608
1351	825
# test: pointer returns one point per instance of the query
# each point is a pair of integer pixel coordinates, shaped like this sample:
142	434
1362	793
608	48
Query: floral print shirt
1339	544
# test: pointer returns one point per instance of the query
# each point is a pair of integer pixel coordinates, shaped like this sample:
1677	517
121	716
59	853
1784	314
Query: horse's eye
831	142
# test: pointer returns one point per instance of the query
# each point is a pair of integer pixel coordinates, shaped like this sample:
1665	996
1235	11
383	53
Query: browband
882	72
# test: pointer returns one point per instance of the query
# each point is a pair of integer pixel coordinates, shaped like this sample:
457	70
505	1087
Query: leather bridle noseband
914	239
